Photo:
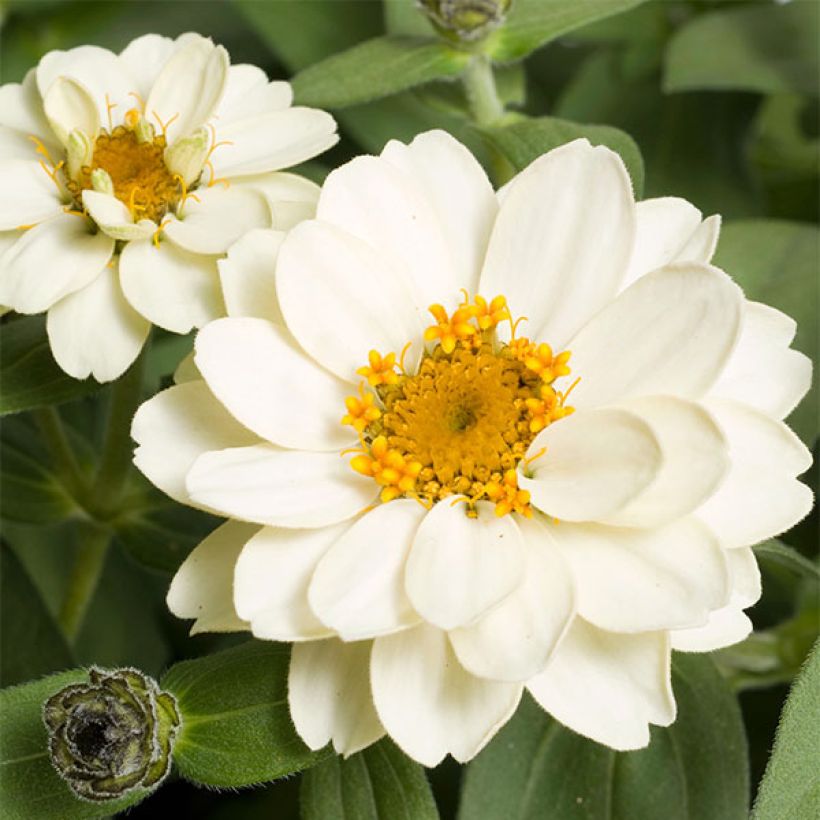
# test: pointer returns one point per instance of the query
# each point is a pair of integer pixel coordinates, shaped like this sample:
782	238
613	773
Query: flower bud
187	156
79	152
111	735
101	181
144	131
465	20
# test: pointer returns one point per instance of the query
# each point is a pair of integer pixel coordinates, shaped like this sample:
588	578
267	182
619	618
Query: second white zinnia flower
547	471
126	176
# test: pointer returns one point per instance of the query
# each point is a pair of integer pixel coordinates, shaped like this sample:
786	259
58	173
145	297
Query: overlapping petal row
127	176
422	621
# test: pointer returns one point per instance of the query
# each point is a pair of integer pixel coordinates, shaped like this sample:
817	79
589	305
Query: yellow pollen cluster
460	424
142	182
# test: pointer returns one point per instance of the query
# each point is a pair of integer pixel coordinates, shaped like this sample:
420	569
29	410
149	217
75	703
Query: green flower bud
187	156
144	131
101	181
465	20
111	735
79	152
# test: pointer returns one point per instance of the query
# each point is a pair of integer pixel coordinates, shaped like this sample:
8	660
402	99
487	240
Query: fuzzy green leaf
236	727
534	23
524	141
380	783
788	557
790	789
29	376
376	68
31	788
776	262
765	48
694	770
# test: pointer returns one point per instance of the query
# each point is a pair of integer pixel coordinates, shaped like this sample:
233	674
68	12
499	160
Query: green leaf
694	770
523	141
790	789
30	489
405	17
29	376
765	48
29	784
236	727
301	33
776	262
31	645
376	68
380	783
534	23
788	557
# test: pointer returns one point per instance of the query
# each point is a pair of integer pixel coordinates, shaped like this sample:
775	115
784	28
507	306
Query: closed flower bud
101	181
111	735
186	157
465	20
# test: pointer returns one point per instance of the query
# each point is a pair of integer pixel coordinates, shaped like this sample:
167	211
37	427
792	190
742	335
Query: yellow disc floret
460	424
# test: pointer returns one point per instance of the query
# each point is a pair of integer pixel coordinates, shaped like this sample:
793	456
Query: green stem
85	575
101	501
479	84
116	460
62	455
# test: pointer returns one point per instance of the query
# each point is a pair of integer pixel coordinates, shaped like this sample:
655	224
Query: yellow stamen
459	425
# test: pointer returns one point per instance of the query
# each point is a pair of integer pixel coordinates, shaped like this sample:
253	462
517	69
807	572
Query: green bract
112	735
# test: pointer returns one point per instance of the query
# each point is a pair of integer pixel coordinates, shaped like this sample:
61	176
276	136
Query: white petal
515	639
269	385
670	332
68	106
114	218
291	198
358	587
272	578
175	289
248	92
21	108
460	566
189	88
456	187
15	145
695	460
175	427
608	687
341	300
745	576
248	276
144	59
383	206
429	704
203	586
107	80
664	226
643	580
726	626
28	195
701	245
562	239
272	140
329	695
53	259
217	219
763	371
760	497
595	463
94	331
283	488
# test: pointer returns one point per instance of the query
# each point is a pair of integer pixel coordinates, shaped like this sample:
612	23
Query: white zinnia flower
104	157
463	535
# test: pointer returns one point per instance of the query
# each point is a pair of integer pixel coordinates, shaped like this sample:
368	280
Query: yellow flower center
464	420
133	157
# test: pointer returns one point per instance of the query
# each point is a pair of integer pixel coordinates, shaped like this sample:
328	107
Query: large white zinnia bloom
463	535
125	177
